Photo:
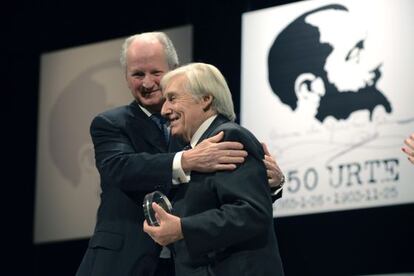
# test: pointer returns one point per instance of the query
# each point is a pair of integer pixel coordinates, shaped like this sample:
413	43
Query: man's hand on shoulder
212	155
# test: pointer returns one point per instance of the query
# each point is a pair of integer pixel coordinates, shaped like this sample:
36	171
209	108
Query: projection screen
327	85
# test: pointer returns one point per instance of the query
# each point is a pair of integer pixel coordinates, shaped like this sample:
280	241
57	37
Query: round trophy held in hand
161	200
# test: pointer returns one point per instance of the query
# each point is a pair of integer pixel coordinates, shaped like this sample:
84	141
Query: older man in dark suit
222	222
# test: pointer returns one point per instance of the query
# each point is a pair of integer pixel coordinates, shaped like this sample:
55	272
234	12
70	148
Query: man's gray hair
169	49
205	79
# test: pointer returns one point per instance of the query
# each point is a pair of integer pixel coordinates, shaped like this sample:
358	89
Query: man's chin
176	132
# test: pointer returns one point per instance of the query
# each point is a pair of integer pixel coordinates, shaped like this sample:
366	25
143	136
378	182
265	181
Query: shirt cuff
179	176
276	191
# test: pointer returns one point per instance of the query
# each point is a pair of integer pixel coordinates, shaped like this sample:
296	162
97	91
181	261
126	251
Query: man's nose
148	83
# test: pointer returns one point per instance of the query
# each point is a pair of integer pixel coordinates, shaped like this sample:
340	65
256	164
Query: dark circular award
161	200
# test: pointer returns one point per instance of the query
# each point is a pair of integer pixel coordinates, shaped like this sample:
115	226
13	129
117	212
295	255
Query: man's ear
308	85
207	101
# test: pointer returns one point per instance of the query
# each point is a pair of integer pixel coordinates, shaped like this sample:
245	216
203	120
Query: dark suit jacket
126	142
226	217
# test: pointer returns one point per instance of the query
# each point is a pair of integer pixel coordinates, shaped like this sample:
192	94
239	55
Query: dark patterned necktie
161	122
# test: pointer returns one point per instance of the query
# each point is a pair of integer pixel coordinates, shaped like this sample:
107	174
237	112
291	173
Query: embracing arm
213	154
122	165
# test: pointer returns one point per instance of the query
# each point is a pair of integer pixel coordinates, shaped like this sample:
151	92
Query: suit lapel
141	124
219	120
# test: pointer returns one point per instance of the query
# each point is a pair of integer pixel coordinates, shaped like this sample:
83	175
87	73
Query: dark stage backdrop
355	242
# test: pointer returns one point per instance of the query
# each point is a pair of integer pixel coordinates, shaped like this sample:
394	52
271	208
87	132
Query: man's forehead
146	52
145	43
176	84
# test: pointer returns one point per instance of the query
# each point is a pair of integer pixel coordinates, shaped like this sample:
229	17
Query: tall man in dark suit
132	160
222	222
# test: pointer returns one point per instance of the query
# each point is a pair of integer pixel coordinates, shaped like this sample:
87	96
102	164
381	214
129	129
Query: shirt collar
145	110
200	131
